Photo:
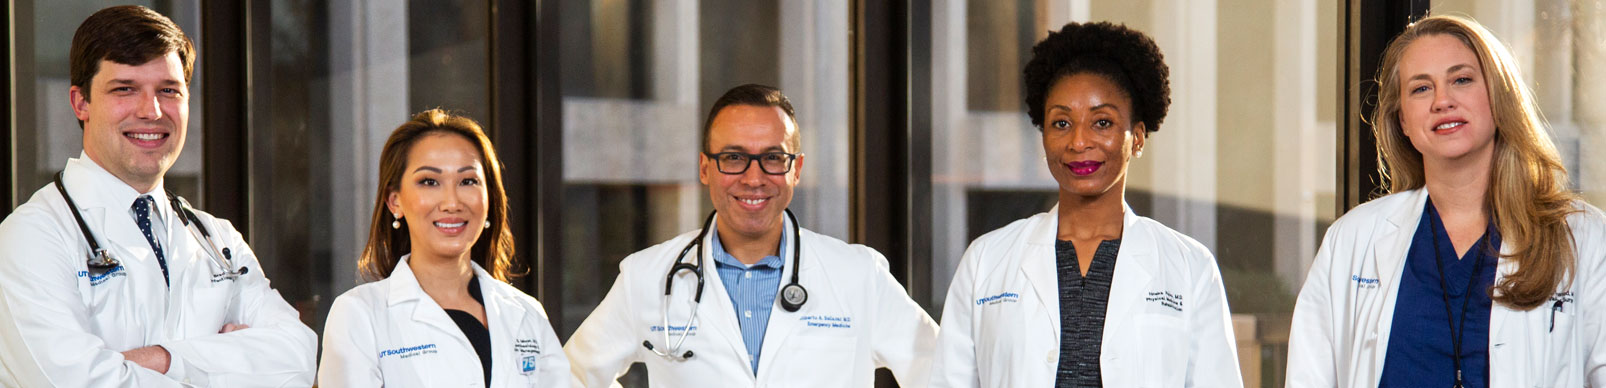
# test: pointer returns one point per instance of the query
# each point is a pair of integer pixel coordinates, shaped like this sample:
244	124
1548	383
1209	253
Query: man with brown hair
107	279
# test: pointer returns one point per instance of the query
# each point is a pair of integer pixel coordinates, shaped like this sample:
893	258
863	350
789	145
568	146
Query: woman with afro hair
1089	293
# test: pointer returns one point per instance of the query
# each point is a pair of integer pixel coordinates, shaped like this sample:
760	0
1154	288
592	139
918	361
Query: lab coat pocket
1559	344
829	361
206	309
1162	358
109	290
114	305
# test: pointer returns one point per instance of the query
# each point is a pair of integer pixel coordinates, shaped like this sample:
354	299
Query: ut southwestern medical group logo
409	352
95	280
1009	297
675	330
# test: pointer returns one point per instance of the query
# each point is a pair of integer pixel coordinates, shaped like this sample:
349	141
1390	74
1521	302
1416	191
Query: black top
477	333
1083	302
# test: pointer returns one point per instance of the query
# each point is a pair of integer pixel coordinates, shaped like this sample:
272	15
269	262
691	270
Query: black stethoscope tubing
792	296
101	259
791	304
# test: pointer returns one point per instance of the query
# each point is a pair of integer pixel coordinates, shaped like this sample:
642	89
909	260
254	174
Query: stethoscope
100	260
793	295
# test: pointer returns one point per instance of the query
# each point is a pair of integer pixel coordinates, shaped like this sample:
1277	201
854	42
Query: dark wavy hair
1124	56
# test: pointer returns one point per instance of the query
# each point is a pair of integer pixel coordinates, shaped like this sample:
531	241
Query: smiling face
1444	100
750	203
1089	135
442	196
135	118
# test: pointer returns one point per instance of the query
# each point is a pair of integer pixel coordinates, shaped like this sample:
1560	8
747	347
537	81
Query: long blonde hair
493	250
1528	195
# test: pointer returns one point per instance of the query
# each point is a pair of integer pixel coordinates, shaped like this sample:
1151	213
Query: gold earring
397	223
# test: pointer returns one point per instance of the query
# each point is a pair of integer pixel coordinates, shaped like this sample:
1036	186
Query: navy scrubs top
1420	348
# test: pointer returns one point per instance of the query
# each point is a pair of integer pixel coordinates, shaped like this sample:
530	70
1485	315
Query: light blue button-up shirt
752	291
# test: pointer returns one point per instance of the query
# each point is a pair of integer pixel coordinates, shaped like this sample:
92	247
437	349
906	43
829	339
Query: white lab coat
62	326
857	318
1166	325
391	333
1340	330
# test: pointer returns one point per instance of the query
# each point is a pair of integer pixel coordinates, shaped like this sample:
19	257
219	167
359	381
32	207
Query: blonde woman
1481	269
439	311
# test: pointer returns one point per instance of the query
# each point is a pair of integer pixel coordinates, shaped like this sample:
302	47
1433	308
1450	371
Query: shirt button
748	313
747	274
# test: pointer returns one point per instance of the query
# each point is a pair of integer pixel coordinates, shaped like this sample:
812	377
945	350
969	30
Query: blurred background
911	113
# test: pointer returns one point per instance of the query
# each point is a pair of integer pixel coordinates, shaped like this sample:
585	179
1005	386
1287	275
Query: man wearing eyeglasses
753	299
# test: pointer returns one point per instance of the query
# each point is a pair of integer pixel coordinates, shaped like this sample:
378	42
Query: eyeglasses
773	163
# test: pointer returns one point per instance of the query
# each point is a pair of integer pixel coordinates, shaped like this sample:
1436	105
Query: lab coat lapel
1499	314
182	259
1038	267
716	310
1388	260
184	253
120	236
1133	265
783	324
507	318
104	202
405	288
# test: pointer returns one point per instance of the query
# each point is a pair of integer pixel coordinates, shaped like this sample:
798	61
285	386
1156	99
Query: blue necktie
142	216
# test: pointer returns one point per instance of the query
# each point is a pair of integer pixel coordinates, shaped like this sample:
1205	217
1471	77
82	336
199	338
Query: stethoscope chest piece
793	296
102	260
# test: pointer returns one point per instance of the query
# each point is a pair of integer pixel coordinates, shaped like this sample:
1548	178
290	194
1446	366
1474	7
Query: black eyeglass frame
748	159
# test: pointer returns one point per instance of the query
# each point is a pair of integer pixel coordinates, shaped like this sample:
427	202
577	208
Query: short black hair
753	95
1124	56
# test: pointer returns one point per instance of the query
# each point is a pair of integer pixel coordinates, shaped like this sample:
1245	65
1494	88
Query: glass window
639	77
334	80
1557	44
46	131
1244	161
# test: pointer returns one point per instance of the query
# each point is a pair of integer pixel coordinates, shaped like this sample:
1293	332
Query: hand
153	357
233	327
